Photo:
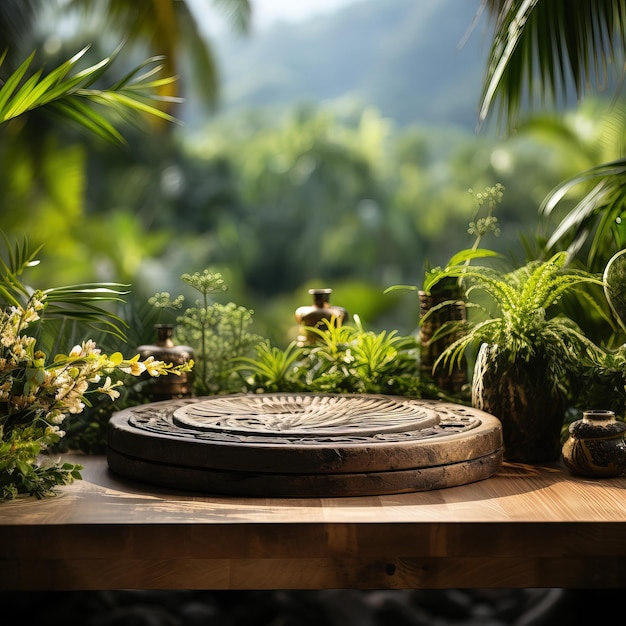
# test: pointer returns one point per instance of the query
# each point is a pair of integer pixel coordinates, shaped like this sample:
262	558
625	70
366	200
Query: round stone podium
304	445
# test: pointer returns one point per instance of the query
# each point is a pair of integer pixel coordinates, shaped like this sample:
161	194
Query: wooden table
524	527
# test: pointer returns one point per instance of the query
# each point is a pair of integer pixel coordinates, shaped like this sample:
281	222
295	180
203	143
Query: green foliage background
312	197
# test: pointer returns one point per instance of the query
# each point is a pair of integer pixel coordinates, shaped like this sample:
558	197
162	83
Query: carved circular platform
301	445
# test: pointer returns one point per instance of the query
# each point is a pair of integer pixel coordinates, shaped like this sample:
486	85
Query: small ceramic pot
596	446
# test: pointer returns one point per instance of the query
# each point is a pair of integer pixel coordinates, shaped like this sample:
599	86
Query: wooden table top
526	526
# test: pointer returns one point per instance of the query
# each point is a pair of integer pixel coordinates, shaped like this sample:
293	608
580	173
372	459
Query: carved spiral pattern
293	414
304	418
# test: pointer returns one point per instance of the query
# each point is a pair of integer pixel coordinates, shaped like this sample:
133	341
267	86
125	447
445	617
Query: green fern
510	309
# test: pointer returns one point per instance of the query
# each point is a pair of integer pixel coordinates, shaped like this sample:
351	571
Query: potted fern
524	354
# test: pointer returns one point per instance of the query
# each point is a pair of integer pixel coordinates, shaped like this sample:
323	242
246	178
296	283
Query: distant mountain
402	56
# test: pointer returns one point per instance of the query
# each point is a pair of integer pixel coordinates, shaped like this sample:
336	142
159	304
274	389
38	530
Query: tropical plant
170	28
515	314
543	50
44	179
53	179
73	98
547	50
344	359
525	355
272	369
68	94
597	221
38	391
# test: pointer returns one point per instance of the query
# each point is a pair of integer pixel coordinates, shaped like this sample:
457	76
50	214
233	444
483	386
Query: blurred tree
44	175
169	28
315	198
16	21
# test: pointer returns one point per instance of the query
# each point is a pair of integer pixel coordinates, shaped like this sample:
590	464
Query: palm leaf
75	100
12	83
82	302
544	50
87	118
595	215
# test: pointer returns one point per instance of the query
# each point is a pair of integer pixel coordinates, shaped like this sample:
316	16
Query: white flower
109	388
134	367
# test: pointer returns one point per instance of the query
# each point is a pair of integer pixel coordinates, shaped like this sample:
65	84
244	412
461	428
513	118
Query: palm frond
547	49
83	303
173	26
596	216
20	257
73	98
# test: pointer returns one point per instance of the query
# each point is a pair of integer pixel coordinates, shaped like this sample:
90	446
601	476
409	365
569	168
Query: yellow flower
134	367
109	388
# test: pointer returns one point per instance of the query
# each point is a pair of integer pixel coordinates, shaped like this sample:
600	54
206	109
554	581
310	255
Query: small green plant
480	225
218	333
601	381
272	369
345	359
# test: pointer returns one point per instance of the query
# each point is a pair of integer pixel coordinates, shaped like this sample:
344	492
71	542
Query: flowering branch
37	395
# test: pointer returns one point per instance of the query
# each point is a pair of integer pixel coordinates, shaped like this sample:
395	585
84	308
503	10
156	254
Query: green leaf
88	119
464	256
72	97
12	83
540	48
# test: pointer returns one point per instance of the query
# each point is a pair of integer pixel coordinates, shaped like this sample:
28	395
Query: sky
266	12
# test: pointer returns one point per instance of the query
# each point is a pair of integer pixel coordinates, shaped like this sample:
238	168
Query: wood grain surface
526	526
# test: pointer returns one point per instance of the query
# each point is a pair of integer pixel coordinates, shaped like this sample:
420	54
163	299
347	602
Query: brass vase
318	315
164	349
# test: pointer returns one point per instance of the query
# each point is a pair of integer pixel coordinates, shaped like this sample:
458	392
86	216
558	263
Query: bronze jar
596	446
